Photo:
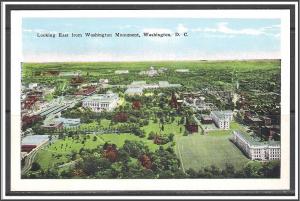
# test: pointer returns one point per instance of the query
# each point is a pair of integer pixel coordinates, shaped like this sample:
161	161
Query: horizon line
178	60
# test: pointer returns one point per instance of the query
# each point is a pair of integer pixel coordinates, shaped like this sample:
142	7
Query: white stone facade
269	150
221	119
101	102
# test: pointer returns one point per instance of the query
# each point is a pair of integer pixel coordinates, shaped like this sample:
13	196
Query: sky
211	39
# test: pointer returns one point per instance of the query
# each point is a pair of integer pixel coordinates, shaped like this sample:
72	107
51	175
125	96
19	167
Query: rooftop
69	121
134	90
102	97
221	114
122	71
34	139
182	70
206	117
256	141
141	82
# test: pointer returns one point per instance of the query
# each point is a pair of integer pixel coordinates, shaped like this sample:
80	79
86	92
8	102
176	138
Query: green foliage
35	166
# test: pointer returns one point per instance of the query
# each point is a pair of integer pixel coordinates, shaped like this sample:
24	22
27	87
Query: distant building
31	142
266	120
253	120
101	102
255	150
121	71
182	70
76	80
86	91
206	119
32	85
166	84
53	125
134	91
28	120
162	70
221	119
151	72
228	114
163	84
144	85
69	123
103	81
141	83
190	125
29	102
76	73
52	72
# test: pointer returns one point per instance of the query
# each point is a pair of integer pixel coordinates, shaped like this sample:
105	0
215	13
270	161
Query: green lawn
198	151
236	126
49	156
168	128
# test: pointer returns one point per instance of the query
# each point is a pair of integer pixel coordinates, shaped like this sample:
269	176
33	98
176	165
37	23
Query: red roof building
77	80
136	105
29	102
27	148
86	91
28	120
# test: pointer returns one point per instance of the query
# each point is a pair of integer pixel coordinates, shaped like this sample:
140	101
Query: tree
252	169
35	166
192	173
171	137
145	161
162	127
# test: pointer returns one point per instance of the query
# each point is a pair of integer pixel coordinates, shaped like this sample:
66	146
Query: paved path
29	159
179	153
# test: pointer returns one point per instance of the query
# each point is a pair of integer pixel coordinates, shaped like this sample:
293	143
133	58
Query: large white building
32	85
255	150
222	118
75	73
101	102
182	70
121	71
134	91
151	72
145	85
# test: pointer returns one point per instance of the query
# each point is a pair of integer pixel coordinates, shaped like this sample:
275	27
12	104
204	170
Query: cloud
34	30
40	31
128	26
157	30
223	28
181	28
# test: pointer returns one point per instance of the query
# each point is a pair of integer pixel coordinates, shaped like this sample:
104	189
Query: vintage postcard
128	96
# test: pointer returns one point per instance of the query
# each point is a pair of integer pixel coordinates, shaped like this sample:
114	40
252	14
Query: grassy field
198	151
168	128
58	152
